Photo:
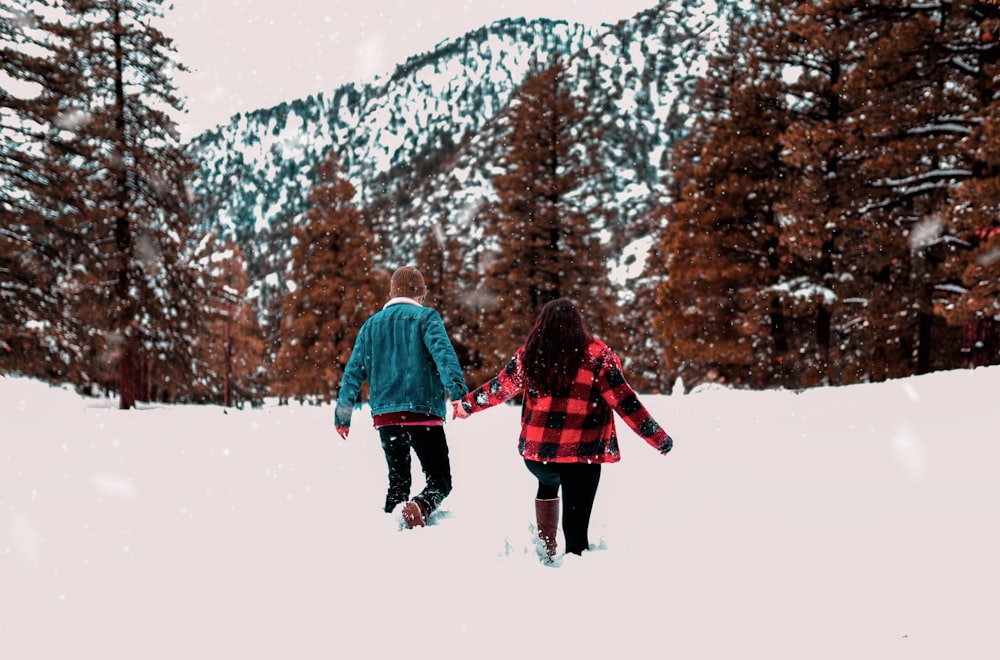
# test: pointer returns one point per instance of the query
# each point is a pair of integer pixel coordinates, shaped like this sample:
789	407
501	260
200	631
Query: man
404	354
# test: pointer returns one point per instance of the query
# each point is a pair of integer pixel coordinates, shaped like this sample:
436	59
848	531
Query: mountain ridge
419	143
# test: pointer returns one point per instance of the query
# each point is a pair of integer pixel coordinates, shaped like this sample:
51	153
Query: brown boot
414	513
547	518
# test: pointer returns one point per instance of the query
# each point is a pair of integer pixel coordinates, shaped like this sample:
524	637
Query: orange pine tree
717	309
333	286
541	240
230	349
972	302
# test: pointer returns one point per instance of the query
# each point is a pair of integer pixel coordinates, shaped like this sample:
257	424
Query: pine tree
451	290
718	307
821	223
541	240
38	201
972	301
853	176
143	226
268	257
230	351
334	287
914	110
114	200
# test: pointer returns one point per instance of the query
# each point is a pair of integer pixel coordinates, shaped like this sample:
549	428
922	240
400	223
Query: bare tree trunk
823	321
925	323
127	378
227	395
128	371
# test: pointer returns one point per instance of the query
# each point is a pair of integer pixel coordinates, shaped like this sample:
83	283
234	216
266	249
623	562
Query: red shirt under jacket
578	427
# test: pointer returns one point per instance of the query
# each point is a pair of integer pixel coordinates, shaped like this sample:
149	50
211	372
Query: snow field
841	522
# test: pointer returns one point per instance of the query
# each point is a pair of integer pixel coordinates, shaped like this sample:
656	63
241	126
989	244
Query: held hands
342	431
457	411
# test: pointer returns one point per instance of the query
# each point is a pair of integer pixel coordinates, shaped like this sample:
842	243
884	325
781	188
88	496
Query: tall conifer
718	308
452	291
334	287
972	303
913	108
819	210
541	236
39	201
112	189
230	350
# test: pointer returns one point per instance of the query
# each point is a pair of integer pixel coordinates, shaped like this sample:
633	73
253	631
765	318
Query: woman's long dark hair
555	347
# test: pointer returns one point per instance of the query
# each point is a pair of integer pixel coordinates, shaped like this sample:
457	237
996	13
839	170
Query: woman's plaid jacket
576	425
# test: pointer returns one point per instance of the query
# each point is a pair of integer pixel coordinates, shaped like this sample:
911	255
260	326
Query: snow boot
547	518
414	513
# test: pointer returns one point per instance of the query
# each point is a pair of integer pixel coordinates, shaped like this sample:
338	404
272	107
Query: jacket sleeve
354	377
443	353
502	387
618	394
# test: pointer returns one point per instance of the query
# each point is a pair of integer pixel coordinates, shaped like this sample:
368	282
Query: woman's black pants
579	488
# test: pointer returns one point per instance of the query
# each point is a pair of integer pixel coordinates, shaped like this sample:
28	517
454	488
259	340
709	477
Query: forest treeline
833	218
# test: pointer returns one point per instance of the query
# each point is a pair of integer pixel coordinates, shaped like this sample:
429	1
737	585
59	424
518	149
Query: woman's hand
458	411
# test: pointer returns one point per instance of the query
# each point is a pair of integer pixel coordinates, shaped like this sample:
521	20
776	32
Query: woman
571	384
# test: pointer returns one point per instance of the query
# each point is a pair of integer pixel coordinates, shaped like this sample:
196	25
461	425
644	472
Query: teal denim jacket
404	353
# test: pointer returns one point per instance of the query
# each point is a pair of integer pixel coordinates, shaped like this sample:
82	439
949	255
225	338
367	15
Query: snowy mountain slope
421	144
443	95
838	522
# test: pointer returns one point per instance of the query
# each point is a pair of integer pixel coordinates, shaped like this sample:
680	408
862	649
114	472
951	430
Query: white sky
249	54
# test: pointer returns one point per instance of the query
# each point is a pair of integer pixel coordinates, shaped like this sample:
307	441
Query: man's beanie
407	282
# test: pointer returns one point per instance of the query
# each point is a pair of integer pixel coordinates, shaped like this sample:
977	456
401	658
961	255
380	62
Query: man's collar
401	301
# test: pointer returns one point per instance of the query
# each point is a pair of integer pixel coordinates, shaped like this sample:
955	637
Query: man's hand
457	411
342	431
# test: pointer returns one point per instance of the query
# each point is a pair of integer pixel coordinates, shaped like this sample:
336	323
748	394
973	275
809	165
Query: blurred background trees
833	217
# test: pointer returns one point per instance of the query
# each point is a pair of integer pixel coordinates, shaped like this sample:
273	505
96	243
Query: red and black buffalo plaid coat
577	425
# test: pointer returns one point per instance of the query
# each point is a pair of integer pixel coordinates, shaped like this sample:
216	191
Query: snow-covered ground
859	522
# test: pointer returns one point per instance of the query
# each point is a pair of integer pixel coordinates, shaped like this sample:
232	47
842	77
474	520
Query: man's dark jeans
428	442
